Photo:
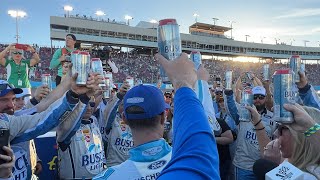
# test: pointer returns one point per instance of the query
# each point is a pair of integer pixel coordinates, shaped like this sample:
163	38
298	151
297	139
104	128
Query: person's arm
113	66
261	133
35	56
307	93
192	131
55	61
238	90
4	53
27	127
226	137
269	96
231	106
69	126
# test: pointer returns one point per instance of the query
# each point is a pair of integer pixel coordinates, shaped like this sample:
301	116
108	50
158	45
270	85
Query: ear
163	119
124	118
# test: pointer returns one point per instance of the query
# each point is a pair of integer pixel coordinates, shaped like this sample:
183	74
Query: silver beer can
169	43
130	81
108	82
81	65
195	57
46	80
303	67
96	67
228	77
246	100
266	72
284	93
295	65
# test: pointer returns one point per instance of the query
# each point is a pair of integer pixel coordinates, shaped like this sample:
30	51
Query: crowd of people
196	131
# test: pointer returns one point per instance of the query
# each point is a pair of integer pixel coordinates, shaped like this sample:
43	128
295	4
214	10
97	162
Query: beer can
228	77
195	57
249	76
283	93
169	43
96	67
46	80
167	126
108	83
130	81
246	100
303	67
295	65
81	65
266	72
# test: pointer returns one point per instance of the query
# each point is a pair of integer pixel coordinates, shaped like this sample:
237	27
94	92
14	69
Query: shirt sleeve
55	59
27	127
194	154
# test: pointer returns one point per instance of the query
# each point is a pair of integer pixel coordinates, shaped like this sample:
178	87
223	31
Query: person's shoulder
120	171
4	117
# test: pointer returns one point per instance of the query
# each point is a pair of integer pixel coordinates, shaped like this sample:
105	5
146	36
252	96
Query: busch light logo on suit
124	143
251	136
21	165
94	157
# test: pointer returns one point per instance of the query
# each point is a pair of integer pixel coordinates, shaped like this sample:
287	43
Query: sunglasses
92	104
168	96
5	86
15	53
259	96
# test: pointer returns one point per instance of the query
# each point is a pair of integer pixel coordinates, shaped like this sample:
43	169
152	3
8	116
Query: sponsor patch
135	100
152	151
157	164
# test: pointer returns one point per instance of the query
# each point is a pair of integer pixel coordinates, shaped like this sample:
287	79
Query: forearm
224	140
53	96
35	59
4	53
262	136
109	114
269	101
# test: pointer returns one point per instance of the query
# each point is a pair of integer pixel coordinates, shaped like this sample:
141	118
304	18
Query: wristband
260	129
312	130
258	122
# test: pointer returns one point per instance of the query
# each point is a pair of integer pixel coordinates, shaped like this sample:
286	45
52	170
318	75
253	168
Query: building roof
209	27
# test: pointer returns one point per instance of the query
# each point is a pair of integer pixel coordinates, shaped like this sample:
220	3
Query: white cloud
300	13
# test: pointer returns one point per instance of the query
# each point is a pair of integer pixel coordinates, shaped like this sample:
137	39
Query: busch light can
249	76
266	72
130	80
46	80
195	57
295	65
96	67
169	43
107	80
81	65
303	67
228	77
246	100
283	93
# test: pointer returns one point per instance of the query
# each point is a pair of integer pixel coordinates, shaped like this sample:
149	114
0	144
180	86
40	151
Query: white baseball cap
259	90
26	92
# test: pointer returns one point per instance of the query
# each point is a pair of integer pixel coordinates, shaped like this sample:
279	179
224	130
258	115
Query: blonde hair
305	152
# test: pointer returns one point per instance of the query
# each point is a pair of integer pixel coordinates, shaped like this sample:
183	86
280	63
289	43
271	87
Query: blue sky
281	19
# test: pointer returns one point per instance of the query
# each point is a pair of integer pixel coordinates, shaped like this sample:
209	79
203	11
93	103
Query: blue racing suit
309	96
146	162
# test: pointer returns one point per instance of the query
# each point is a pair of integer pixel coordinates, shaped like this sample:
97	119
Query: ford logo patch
157	164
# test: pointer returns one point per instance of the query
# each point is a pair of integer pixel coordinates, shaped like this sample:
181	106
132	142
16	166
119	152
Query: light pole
153	21
195	15
17	14
305	42
100	13
215	20
276	39
68	8
128	18
231	22
291	40
247	37
262	39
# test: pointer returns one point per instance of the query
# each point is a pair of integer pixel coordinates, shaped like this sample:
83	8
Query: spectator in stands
61	55
18	69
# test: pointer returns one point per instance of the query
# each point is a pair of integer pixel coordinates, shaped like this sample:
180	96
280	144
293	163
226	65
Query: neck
145	136
17	61
70	47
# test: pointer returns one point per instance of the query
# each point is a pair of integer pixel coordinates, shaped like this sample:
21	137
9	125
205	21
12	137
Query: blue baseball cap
5	88
149	98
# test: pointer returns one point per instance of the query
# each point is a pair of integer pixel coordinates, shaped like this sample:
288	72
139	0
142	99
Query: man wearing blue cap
144	108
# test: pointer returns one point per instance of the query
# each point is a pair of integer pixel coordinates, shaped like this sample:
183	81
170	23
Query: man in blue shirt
144	108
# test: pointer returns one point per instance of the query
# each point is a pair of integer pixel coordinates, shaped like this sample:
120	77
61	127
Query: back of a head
143	107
